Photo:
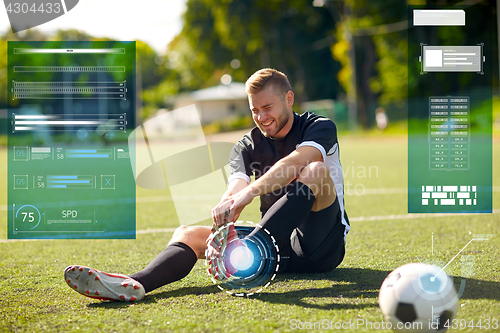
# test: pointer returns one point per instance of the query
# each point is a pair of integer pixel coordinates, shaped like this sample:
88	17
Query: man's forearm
284	171
281	174
234	187
240	193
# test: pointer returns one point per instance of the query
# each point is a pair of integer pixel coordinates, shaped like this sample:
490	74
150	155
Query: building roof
231	91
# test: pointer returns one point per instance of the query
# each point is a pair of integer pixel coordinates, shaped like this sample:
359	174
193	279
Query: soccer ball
418	298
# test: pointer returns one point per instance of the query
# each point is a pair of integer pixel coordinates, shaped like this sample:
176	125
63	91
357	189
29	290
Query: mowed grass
34	296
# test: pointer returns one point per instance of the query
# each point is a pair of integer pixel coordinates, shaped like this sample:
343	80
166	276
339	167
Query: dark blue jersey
255	154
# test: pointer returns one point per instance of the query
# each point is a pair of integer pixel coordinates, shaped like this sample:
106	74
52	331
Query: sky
155	22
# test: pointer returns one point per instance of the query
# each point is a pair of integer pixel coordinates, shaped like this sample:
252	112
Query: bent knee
313	172
181	231
183	234
193	236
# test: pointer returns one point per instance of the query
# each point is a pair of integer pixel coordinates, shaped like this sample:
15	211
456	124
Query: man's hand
218	212
217	240
217	244
213	247
235	203
240	200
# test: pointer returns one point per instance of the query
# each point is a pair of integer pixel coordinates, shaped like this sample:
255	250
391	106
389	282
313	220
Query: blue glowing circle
247	262
241	258
432	280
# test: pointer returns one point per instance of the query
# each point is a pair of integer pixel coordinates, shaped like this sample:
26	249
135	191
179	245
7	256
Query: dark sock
288	212
172	264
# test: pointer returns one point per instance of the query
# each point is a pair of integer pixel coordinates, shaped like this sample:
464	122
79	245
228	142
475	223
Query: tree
378	30
288	35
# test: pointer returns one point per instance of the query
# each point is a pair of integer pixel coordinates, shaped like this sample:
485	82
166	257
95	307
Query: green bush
228	125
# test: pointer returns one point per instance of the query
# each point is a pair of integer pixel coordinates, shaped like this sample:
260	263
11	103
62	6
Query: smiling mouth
267	123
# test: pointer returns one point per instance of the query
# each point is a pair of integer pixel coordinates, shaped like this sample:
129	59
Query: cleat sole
104	286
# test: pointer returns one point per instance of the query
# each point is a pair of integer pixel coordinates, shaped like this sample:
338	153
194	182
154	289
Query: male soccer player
298	176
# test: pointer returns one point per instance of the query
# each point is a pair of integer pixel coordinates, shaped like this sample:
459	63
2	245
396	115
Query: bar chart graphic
69	51
89	153
69	90
70	182
76	69
61	122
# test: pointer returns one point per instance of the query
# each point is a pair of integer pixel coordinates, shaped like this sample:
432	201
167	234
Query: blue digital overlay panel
450	78
71	110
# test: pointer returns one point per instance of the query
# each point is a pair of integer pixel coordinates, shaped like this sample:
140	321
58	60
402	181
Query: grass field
34	296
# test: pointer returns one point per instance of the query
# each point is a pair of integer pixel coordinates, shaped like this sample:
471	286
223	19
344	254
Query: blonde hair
265	77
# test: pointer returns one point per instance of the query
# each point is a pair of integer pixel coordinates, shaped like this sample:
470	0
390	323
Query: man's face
270	112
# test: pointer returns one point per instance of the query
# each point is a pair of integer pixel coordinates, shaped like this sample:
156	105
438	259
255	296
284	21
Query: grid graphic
449	136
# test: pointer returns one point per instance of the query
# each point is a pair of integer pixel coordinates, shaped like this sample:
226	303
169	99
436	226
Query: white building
217	103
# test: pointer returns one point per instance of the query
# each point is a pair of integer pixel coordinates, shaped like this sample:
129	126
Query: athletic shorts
329	251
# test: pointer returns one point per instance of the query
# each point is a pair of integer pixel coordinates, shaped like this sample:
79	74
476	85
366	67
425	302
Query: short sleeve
321	133
239	163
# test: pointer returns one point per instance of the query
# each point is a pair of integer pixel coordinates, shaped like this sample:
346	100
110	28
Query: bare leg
194	237
175	262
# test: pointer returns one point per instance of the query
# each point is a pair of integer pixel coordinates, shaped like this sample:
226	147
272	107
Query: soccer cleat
105	286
